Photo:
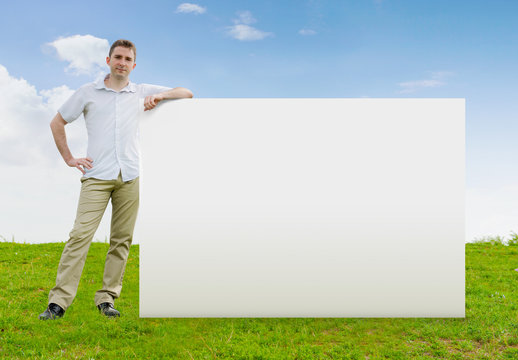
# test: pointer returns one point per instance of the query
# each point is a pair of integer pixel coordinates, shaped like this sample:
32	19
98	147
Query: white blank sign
302	208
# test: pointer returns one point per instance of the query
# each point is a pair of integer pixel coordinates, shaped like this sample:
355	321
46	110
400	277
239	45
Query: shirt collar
99	84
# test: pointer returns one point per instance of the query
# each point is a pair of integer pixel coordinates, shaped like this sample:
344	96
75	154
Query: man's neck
116	83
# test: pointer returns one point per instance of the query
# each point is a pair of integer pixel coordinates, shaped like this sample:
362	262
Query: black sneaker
54	311
107	309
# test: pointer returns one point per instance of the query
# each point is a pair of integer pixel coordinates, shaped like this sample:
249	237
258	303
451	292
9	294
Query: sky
252	49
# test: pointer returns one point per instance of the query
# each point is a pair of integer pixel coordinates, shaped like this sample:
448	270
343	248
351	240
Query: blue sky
360	48
368	48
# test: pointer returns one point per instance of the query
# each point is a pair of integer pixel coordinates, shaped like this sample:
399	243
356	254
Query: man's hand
86	163
151	101
177	93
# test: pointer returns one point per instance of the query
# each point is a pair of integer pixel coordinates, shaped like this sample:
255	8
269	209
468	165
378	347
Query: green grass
27	272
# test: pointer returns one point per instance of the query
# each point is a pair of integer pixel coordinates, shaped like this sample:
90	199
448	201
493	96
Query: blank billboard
302	208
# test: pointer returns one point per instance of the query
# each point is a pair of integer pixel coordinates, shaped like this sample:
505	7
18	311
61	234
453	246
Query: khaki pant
93	200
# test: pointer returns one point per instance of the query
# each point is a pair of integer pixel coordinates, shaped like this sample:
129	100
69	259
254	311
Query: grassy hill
27	272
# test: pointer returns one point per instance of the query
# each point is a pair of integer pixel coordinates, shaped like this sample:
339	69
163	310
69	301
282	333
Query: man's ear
134	64
108	60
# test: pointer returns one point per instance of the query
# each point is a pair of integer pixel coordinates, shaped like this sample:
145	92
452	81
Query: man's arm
177	93
57	125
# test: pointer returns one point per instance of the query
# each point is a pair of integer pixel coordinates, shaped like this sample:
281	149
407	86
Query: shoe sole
49	318
110	316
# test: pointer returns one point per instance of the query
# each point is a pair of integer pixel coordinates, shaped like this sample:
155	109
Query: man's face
121	62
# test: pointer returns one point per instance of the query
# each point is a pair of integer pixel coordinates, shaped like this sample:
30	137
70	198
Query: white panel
302	208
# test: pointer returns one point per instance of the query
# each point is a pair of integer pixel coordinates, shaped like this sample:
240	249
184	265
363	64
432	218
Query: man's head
124	43
121	58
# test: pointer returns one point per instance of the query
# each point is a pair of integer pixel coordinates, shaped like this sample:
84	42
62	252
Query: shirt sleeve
148	89
74	106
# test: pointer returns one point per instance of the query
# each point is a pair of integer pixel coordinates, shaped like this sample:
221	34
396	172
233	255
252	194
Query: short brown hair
124	43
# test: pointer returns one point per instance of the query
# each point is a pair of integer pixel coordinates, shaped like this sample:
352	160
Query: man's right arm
57	125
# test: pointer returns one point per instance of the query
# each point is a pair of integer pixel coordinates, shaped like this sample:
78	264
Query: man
110	171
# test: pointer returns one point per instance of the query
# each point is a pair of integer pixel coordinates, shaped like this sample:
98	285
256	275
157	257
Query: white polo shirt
112	126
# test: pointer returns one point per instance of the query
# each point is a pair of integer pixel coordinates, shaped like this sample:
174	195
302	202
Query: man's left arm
177	93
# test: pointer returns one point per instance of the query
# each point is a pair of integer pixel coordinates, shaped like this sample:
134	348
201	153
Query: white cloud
243	31
39	191
491	212
441	74
245	17
86	54
190	8
25	136
307	32
436	80
247	33
412	86
57	96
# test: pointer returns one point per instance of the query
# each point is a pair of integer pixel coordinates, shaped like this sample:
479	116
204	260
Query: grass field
27	272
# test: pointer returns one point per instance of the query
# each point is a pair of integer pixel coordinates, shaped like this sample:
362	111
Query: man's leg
93	200
125	201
